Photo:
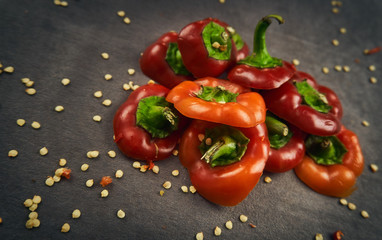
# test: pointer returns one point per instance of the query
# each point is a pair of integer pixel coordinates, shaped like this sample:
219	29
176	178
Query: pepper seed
43	151
33	207
175	173
49	182
29	224
338	68
136	164
36	199
62	162
97	118
267	179
346	68
184	189
343	30
121	13
167	185
108	77
373	80
84	167
127	20
352	206
13	153
65	81
59	108
319	236
76	213
343	201
243	218
9	69
33	215
192	189
217	231
121	214
364	214
175	152
161	192
35	125
29	83
65	228
64	4
105	55
335	10
104	193
365	123
89	183
335	42
229	225
199	236
372	68
106	102
296	62
373	167
20	122
131	71
325	70
98	94
111	154
30	91
126	86
118	173
155	169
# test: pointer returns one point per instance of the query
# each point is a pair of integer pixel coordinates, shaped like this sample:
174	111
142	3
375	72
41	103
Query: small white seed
131	71
150	81
267	179
352	206
33	215
25	80
59	172
319	236
127	20
33	207
136	164
373	167
343	30
64	4
373	80
106	102
126	86
118	173
30	91
192	189
296	62
98	94
105	55
13	153
65	81
335	10
343	201
372	68
365	123
76	213
121	213
108	77
29	224
184	189
49	181
97	118
364	214
243	218
28	202
338	68
59	108
62	162
104	193
199	236
36	222
20	122
175	152
89	183
56	178
143	168
175	173
156	169
29	83
9	69
335	42
217	231
346	68
161	192
84	167
43	151
36	199
229	225
35	125
167	185
111	154
65	228
325	70
121	13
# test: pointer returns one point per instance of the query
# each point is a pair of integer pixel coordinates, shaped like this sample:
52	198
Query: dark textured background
47	43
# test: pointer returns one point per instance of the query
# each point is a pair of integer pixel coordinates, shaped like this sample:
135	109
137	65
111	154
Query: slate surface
47	43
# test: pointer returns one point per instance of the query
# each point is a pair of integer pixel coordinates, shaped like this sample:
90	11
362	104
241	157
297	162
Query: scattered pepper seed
184	189
118	173
98	94
76	213
372	68
59	172
28	202
373	167
84	167
65	228
199	236
373	80
136	164
335	42
9	69
267	179
13	153
20	122
296	62
36	222
105	55
343	201
36	199
121	13
33	207
338	68
143	168
127	20
319	236
156	169
131	71
30	91
175	152
29	224
150	81
201	137
175	173
35	125
104	193
29	84
192	189
216	45
335	10
217	231
364	214
167	185
89	183
65	81
62	162
111	154
49	181
43	151
229	225
108	77
161	192
243	218
121	214
126	86
25	80
325	70
106	102
59	108
365	123
56	178
97	118
343	30
221	1
33	215
64	4
352	206
346	68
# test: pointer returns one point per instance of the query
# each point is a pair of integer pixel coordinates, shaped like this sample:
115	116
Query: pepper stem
260	57
212	150
325	150
276	127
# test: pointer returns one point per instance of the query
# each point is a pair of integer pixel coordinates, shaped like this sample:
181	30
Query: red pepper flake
357	60
372	51
252	225
106	180
338	235
151	164
66	173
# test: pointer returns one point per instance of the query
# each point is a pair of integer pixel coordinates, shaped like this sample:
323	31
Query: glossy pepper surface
153	138
224	184
330	178
219	101
259	70
206	48
162	62
315	109
287	145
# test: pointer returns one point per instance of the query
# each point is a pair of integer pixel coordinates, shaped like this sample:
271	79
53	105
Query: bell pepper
206	48
219	101
313	108
162	61
259	70
224	163
332	164
287	145
146	127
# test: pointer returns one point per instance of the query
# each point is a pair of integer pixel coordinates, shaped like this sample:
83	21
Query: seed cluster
32	205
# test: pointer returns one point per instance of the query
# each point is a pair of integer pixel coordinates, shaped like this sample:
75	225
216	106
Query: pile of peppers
265	116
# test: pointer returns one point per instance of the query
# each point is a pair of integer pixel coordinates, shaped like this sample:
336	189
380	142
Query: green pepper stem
212	150
325	150
276	127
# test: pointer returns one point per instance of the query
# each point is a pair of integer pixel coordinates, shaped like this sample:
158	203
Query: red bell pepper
260	70
219	101
287	145
206	48
313	108
146	127
162	61
333	163
227	163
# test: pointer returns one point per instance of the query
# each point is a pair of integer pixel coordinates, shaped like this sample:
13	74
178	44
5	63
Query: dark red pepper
287	103
206	48
148	139
287	145
162	61
260	70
